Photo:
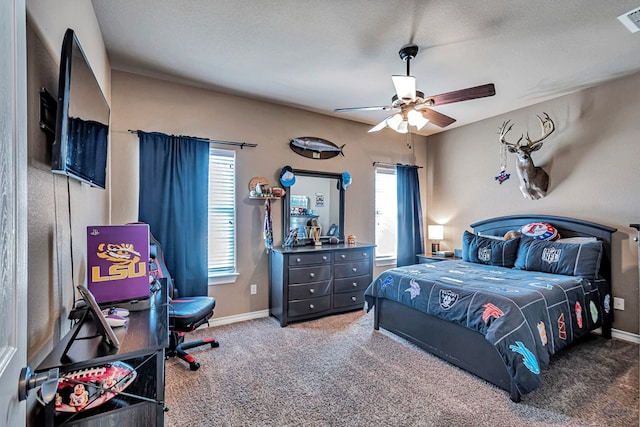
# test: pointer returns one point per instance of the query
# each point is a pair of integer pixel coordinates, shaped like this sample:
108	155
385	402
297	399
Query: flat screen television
80	146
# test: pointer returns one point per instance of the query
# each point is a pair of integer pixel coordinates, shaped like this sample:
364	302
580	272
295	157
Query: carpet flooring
338	371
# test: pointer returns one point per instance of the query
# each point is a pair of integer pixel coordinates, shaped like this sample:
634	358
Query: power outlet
618	303
254	289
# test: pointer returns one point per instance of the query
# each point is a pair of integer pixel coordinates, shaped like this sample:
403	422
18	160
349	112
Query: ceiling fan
412	107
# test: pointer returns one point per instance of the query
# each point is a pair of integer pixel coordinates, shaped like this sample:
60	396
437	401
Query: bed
502	320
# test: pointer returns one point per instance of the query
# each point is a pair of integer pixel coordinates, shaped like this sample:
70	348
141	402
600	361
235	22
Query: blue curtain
410	230
174	175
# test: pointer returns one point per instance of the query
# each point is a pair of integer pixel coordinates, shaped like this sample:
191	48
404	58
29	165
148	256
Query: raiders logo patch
447	298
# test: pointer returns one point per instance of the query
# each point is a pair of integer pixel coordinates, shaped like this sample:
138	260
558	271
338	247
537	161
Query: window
386	215
222	216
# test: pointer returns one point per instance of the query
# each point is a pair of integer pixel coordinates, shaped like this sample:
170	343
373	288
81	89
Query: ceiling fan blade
379	108
405	87
436	118
380	125
464	94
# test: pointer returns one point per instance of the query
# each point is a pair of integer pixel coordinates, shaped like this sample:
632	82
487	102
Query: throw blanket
526	315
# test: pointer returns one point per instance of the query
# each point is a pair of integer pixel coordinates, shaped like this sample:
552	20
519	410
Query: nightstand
429	257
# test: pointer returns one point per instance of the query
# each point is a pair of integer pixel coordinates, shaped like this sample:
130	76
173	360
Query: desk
142	344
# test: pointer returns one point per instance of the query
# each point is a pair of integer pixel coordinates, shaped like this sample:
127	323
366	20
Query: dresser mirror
315	196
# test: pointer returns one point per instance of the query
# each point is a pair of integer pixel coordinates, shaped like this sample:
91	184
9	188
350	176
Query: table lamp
436	233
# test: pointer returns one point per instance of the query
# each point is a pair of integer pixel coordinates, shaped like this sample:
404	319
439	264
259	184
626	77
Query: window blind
222	212
386	213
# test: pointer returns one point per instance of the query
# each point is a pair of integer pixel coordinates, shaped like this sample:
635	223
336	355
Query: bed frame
469	349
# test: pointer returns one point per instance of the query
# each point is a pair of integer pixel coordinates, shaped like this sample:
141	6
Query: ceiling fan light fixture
405	87
394	121
417	119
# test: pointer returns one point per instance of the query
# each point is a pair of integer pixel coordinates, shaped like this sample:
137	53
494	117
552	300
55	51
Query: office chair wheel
194	366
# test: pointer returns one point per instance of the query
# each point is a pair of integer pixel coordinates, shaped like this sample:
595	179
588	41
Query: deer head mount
534	181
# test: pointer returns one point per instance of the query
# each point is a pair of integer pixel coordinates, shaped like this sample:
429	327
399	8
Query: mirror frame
286	205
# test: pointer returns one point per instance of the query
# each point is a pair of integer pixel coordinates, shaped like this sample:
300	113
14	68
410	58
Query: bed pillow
490	251
577	239
540	231
571	259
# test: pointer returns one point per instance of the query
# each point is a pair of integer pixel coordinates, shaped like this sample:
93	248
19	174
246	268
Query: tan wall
155	105
592	160
53	238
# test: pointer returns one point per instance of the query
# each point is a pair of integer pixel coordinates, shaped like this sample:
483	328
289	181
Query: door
13	209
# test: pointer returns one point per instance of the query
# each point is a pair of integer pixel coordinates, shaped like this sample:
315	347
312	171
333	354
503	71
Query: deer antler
503	132
547	129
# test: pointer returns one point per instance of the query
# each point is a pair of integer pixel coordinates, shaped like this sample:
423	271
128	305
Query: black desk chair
185	314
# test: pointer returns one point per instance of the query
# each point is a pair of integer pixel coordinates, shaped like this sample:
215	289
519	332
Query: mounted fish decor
315	148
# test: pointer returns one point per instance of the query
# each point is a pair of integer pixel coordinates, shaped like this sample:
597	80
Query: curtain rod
213	141
396	164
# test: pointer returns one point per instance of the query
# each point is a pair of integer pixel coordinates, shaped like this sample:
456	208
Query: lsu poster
117	261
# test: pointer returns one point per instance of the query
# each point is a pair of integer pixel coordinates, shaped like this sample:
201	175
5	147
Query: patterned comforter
526	315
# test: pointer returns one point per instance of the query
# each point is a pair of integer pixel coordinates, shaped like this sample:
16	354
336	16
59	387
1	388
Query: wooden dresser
307	282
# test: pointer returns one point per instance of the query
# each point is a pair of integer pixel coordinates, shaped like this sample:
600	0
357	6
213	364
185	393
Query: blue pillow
485	250
570	259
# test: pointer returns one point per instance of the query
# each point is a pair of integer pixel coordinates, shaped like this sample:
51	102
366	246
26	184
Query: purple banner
117	262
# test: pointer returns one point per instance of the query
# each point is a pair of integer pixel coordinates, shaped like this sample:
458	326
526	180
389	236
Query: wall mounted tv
82	121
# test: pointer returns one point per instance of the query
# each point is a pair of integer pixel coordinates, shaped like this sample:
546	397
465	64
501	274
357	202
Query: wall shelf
265	197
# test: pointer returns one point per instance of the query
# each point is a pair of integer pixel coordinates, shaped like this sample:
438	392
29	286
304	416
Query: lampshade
436	232
416	119
394	121
405	87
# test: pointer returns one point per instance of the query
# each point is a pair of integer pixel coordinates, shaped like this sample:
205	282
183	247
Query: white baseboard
621	335
237	318
625	336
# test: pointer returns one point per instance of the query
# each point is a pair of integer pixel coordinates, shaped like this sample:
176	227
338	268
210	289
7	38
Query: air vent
631	20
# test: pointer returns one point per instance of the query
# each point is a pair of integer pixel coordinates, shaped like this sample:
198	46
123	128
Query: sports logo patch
607	303
413	289
386	282
484	254
594	311
447	298
527	357
562	327
491	310
551	255
579	314
542	332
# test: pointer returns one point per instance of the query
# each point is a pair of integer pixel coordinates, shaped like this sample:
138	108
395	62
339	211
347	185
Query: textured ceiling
326	54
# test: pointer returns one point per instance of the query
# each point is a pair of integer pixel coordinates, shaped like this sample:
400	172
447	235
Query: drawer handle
355	285
354	299
311	306
343	256
312	275
311	290
324	257
298	260
354	269
365	255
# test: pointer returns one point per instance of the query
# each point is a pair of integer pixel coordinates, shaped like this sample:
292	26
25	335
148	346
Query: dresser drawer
309	306
351	255
318	273
309	290
307	259
351	269
348	299
351	284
